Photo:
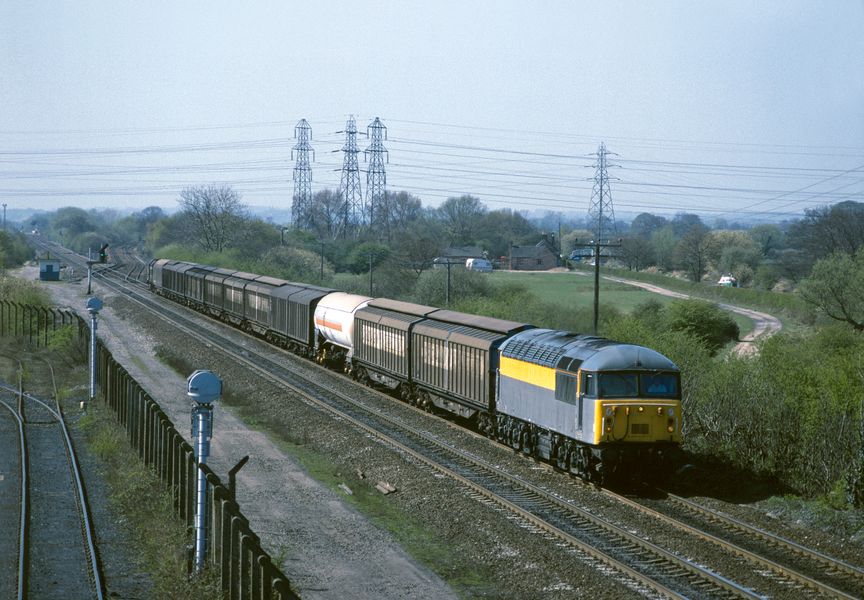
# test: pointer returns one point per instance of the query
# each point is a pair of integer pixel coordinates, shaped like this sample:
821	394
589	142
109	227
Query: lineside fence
34	322
246	570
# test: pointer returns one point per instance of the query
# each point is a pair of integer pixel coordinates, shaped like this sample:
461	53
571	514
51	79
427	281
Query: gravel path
765	325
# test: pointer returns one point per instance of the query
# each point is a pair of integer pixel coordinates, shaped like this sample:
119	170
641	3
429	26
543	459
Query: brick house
540	257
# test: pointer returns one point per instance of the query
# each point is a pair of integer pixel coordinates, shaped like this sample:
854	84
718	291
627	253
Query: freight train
596	408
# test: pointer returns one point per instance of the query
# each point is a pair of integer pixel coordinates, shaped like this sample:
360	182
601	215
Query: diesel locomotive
596	408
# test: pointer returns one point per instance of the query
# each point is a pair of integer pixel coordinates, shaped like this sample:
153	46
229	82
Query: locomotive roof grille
569	351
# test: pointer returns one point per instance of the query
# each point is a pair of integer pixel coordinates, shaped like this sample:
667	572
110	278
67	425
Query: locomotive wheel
562	458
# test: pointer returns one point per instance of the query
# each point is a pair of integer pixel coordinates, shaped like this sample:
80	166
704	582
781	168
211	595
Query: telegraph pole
322	260
595	245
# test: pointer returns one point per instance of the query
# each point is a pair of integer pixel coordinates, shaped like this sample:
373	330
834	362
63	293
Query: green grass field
573	288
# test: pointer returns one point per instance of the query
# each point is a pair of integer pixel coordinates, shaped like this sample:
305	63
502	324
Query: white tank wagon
334	323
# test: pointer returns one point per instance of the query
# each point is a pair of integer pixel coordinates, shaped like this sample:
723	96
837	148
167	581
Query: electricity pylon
376	176
351	211
301	207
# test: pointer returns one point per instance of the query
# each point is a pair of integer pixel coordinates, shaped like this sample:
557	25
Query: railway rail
650	567
55	545
804	566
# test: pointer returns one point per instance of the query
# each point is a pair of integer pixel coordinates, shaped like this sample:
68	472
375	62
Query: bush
23	292
704	320
431	286
792	412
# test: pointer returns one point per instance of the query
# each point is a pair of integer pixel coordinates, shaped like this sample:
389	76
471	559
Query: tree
704	320
327	213
215	212
826	230
461	218
499	228
836	287
645	224
769	239
419	244
254	237
663	241
175	229
692	251
400	209
684	222
636	253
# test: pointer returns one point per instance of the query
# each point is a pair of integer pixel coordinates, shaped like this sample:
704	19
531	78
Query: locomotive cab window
659	385
589	385
619	385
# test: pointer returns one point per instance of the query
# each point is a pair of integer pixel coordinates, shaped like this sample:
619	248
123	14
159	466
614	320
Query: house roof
530	251
463	251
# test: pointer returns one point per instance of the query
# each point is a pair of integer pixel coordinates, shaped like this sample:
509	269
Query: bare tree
461	218
419	244
327	214
215	213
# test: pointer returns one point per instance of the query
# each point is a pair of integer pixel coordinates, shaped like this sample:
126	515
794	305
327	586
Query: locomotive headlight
609	411
659	411
641	409
670	411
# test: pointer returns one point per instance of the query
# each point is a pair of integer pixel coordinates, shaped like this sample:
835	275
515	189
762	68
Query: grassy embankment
576	289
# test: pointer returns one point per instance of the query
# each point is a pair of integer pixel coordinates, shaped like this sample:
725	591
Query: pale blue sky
121	103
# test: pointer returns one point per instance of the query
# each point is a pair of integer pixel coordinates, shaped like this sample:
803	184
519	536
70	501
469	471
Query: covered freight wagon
292	315
382	338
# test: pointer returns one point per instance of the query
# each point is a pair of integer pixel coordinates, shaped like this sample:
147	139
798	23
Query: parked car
478	264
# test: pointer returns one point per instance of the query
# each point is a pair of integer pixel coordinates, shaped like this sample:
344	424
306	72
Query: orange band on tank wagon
329	324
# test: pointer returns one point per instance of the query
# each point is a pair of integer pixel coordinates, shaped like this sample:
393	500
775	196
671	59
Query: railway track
807	568
649	567
54	547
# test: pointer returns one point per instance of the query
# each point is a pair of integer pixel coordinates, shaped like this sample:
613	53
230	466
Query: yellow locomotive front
634	406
